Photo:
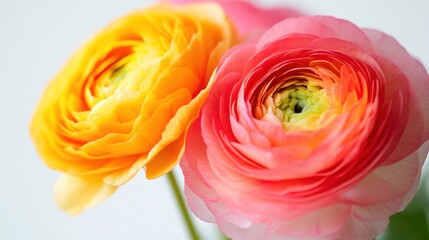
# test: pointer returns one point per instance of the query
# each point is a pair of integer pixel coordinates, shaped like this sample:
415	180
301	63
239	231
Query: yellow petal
75	193
167	152
123	175
166	159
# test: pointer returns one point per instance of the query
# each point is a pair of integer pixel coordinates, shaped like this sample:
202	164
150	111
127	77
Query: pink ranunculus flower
250	19
317	131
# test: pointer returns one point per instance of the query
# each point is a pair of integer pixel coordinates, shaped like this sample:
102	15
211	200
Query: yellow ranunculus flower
126	99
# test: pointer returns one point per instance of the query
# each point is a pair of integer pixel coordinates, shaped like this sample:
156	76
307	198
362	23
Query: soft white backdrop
37	37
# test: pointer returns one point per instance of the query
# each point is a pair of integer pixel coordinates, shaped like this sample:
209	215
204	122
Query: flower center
108	74
117	75
299	106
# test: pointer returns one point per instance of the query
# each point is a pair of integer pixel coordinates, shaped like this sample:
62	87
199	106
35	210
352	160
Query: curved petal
417	130
249	19
75	194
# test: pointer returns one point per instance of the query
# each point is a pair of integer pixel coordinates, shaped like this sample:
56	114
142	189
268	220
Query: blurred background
36	39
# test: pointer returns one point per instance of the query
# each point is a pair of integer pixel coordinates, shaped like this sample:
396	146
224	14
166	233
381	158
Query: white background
37	37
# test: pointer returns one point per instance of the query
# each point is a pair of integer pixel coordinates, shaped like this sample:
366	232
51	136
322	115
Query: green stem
223	237
185	213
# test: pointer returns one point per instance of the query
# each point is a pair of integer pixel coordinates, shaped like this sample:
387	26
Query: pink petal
249	19
417	130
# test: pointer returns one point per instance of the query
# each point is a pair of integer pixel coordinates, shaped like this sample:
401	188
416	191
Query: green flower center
117	75
300	106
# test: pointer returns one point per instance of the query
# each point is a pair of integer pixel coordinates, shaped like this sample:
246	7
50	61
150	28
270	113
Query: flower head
316	131
125	100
